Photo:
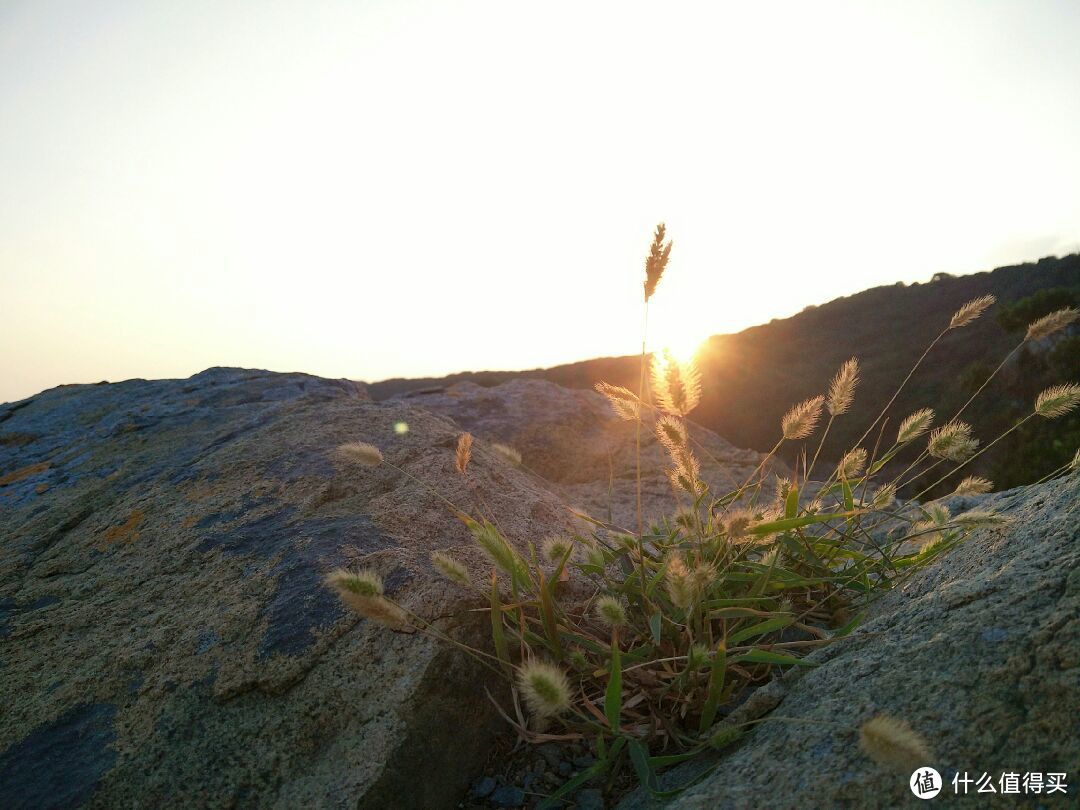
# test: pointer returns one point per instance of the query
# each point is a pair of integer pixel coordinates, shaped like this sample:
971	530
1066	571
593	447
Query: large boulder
571	437
165	637
979	652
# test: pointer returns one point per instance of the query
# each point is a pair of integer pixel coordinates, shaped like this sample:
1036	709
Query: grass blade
613	696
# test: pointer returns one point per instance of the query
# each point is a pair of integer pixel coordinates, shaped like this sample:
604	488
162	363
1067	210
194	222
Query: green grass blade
613	696
774	526
761	628
554	800
639	757
654	626
497	633
756	656
717	673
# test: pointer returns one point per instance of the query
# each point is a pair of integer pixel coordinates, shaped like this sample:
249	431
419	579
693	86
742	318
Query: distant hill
752	377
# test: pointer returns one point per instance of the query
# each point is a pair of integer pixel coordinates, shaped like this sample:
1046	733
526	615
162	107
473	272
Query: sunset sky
399	188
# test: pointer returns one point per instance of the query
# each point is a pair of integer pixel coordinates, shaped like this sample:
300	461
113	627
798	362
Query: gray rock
980	653
484	787
508	796
166	638
589	799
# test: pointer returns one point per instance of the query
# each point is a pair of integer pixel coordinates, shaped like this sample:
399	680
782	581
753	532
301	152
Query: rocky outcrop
165	639
572	438
980	653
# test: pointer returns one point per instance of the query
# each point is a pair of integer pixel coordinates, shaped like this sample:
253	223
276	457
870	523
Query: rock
979	652
571	437
589	799
508	796
483	787
166	636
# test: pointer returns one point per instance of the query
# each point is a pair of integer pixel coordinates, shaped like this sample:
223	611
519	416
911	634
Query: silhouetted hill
752	377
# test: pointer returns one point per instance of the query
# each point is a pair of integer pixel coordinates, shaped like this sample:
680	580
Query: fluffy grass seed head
464	452
362	453
678	583
686	474
980	518
915	425
971	311
554	549
892	742
697	657
974	485
362	583
593	554
1057	401
952	442
508	453
782	488
671	432
1075	463
884	497
737	523
1049	324
842	388
656	263
610	611
938	513
852	464
363	593
623	401
450	568
676	385
545	687
800	421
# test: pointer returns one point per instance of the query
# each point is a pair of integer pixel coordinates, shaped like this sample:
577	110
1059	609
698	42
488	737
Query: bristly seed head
971	310
894	743
842	388
1057	401
672	434
676	386
363	593
656	261
1075	463
800	421
555	548
679	587
610	611
851	465
938	513
977	518
1049	324
952	442
974	485
464	452
508	453
366	455
737	523
450	568
546	690
885	496
623	401
915	425
362	583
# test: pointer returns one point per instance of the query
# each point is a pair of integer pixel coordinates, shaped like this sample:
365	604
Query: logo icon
925	783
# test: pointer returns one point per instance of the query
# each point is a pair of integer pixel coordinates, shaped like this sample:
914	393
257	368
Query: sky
404	188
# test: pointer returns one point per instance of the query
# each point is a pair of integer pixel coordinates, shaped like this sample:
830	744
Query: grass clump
661	628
